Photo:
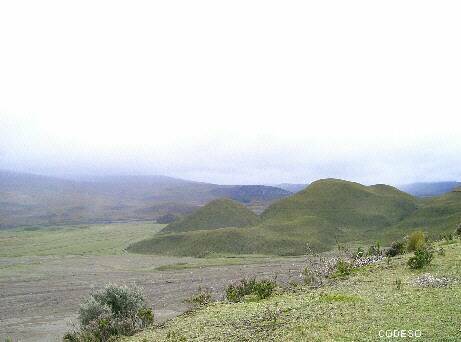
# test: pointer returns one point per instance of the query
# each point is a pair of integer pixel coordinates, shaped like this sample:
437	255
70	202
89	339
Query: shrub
264	288
416	241
318	269
397	248
91	309
422	257
310	278
201	298
343	268
374	250
261	289
112	311
360	253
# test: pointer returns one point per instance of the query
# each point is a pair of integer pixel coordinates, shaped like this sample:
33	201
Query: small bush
422	257
261	289
416	241
201	298
310	278
343	268
398	284
360	253
112	311
318	270
264	288
397	248
374	250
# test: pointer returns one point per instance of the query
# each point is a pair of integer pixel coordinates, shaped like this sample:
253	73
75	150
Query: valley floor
44	275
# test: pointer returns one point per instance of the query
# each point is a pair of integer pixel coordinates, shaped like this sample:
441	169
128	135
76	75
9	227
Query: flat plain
45	272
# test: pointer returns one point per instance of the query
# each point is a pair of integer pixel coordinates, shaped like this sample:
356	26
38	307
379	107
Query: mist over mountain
291	186
28	199
428	189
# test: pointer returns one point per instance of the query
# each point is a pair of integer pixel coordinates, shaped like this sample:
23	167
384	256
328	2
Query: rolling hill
27	199
219	213
325	213
435	215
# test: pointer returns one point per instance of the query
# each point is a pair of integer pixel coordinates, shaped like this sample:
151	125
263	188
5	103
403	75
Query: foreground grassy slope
219	213
98	239
356	308
326	212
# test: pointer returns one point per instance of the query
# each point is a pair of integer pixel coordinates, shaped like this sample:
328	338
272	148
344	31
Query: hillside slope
346	204
436	215
355	308
219	213
326	212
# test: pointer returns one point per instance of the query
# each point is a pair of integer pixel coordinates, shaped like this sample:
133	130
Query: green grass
352	309
326	213
216	260
435	215
97	239
219	213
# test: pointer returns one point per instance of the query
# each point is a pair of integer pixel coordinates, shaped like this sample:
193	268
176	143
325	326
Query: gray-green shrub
112	311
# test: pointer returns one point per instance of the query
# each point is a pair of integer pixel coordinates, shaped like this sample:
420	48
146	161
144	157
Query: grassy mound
349	207
436	215
362	307
219	213
325	213
220	241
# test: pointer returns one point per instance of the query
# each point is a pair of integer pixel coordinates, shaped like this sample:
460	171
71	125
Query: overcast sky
233	91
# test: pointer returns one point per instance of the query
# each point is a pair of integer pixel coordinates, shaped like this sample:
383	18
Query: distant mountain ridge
28	199
429	189
292	187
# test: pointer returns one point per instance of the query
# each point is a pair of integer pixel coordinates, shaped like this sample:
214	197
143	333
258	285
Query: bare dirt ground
40	295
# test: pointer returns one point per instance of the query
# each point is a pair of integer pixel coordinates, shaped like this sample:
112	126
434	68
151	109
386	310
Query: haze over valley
230	171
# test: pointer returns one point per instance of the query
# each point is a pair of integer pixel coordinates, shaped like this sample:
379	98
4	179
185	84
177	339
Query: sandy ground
39	296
